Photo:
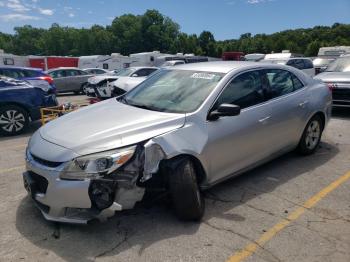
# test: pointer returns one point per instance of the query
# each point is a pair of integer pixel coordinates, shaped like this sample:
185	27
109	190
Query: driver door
235	143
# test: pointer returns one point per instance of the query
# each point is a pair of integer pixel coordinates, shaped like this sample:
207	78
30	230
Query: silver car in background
337	77
182	131
69	79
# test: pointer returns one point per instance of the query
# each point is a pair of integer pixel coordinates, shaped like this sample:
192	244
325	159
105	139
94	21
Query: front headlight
97	165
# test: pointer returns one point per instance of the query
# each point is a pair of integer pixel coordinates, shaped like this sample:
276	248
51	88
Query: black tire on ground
311	136
14	120
187	199
82	90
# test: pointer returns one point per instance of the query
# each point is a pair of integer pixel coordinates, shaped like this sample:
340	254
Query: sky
226	19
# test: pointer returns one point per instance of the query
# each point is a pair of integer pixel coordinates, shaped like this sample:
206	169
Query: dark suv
20	104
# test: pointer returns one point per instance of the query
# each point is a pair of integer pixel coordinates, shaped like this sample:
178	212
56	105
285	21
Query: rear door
59	77
73	80
289	102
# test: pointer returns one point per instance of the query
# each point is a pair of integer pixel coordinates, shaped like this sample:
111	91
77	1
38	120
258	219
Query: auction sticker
203	76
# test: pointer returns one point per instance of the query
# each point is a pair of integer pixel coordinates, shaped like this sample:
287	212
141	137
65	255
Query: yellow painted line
2	171
252	247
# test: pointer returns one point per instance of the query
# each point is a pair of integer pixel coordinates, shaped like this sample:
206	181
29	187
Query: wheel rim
84	89
313	135
12	121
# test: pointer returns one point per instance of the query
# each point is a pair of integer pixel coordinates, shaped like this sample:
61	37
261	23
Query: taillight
331	86
47	79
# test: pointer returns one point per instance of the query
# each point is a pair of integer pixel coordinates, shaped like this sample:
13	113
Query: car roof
217	66
63	68
93	68
142	67
21	68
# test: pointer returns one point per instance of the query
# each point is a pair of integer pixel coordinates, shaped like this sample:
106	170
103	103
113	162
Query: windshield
339	65
175	91
125	72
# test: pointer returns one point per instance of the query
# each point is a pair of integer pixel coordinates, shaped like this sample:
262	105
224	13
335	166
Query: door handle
263	120
302	104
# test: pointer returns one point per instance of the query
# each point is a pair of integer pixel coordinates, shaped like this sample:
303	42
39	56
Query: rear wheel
13	120
187	198
311	136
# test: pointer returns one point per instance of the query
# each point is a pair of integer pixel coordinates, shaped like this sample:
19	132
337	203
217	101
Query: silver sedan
182	130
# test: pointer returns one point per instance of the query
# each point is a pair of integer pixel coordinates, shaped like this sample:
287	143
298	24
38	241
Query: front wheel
13	120
187	198
311	136
83	89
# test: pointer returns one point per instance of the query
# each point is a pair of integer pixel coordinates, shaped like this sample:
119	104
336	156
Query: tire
14	120
83	89
187	199
311	136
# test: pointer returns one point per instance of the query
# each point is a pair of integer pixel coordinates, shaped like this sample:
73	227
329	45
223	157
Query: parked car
34	76
96	71
69	79
337	77
182	130
302	63
321	64
20	104
101	86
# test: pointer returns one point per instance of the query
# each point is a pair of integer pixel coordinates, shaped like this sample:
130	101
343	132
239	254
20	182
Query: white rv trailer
333	51
283	55
147	58
108	62
13	60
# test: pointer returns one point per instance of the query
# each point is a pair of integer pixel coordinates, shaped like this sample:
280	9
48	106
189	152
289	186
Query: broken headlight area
97	165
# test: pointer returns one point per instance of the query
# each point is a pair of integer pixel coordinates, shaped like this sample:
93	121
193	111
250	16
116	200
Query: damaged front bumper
79	201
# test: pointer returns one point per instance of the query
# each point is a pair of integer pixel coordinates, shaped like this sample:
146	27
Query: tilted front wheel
311	136
13	120
187	198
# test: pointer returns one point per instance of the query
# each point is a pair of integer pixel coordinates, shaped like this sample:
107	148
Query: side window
308	64
296	82
245	90
10	73
58	74
105	66
282	82
72	72
299	64
83	73
9	61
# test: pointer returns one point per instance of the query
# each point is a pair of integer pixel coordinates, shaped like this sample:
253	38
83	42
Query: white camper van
333	51
147	58
13	60
107	62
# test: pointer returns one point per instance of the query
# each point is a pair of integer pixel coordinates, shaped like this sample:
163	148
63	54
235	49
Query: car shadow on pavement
341	113
145	226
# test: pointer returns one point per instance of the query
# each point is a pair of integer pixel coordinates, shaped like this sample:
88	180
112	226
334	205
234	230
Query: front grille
46	162
41	183
341	94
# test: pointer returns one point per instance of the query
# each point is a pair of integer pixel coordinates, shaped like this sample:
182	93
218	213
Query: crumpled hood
127	83
334	76
97	79
107	125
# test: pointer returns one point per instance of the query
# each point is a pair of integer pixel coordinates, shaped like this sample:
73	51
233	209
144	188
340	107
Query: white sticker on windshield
203	76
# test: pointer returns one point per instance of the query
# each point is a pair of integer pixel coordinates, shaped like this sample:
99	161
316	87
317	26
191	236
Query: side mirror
224	110
134	75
